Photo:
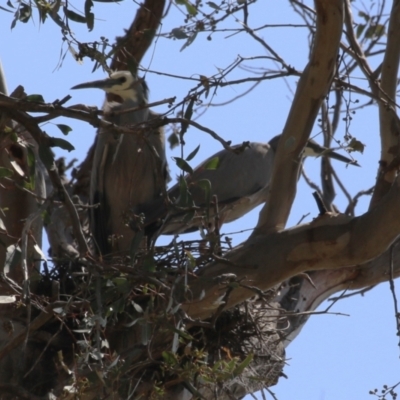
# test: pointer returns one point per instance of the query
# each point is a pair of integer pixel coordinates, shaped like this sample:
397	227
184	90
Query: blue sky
334	357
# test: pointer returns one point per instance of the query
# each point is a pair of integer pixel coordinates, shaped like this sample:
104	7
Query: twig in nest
320	203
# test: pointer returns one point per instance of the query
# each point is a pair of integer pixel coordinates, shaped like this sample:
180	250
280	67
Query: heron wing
237	175
101	210
240	183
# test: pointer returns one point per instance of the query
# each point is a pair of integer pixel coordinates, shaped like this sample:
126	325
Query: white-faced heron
240	182
129	170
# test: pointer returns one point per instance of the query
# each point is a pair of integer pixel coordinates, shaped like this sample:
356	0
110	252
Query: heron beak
100	84
313	149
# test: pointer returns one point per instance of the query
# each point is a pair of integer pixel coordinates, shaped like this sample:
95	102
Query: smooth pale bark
384	92
329	242
312	88
310	292
388	118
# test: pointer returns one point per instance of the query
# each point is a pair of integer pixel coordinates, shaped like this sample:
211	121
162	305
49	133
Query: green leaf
169	358
65	129
188	116
135	245
5	9
30	182
5	172
205	184
189	110
193	153
25	13
360	30
122	285
148	263
173	140
183	165
89	15
375	31
212	163
47	157
35	98
183	333
213	5
90	21
13	135
189	41
73	16
185	198
57	19
191	9
362	14
63	144
43	9
46	217
244	364
14	21
356	145
191	259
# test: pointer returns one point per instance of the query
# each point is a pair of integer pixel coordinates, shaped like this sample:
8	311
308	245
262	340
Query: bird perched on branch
129	169
239	180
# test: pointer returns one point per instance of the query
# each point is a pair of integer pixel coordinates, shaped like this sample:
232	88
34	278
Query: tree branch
326	243
311	90
388	119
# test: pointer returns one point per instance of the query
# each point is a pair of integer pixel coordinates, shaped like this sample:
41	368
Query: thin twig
214	135
310	182
356	293
393	290
342	187
37	323
351	207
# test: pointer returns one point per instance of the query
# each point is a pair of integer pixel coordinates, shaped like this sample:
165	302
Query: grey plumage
240	182
125	173
3	83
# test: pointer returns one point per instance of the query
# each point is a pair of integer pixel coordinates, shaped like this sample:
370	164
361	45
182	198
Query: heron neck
126	118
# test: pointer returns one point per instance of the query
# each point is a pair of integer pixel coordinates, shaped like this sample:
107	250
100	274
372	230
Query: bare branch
328	242
393	291
386	95
388	119
311	90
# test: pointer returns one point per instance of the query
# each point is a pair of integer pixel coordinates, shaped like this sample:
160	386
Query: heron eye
122	79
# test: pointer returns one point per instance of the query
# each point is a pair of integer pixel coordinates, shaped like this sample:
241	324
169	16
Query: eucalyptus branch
350	208
214	135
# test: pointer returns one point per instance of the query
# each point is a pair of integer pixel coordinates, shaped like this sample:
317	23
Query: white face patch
124	89
126	94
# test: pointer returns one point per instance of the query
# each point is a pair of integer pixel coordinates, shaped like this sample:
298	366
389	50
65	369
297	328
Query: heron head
122	84
313	149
